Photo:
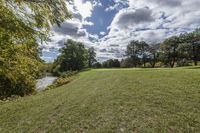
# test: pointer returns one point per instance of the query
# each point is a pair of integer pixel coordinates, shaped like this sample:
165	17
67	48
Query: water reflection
44	82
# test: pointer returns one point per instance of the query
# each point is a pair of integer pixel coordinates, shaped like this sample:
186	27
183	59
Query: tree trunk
144	62
153	66
172	63
135	64
195	62
194	55
154	60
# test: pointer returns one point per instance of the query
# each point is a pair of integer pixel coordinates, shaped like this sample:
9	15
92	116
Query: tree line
181	50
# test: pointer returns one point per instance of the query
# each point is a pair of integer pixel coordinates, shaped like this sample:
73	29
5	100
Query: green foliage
177	50
170	50
64	78
22	24
38	16
159	64
18	76
153	54
111	63
48	67
143	52
133	51
138	52
91	57
20	66
97	65
74	56
127	63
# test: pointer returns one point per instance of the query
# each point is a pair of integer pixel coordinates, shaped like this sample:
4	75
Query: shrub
18	77
64	78
159	64
184	63
148	65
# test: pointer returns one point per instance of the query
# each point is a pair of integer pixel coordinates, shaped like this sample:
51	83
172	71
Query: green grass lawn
117	100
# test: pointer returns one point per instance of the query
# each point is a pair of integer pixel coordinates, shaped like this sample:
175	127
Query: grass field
117	100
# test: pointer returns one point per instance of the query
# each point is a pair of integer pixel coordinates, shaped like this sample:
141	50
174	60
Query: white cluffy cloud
151	21
84	8
118	5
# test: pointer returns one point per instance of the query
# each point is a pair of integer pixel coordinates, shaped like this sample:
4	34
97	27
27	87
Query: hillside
115	100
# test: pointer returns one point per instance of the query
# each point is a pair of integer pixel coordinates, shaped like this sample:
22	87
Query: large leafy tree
22	24
73	56
38	15
192	40
138	52
170	50
143	52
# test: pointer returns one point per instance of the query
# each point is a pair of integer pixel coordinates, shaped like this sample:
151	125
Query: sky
109	25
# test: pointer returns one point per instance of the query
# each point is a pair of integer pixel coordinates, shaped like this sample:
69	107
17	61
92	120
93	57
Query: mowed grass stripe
116	100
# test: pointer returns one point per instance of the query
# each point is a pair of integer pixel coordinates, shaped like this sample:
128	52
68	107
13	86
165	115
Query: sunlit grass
112	100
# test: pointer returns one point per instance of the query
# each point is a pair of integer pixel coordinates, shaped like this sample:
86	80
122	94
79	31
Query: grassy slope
128	100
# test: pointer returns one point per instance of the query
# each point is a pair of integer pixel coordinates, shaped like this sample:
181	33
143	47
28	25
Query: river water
44	82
